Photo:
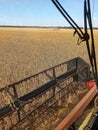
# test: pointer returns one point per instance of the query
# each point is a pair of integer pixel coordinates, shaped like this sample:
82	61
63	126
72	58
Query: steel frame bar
80	65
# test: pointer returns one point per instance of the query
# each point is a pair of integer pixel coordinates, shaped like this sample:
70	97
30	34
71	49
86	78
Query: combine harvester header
47	105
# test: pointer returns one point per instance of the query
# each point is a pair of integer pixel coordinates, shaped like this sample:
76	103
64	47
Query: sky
43	12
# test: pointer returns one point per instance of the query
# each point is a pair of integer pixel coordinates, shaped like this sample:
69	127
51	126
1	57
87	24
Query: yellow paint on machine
85	122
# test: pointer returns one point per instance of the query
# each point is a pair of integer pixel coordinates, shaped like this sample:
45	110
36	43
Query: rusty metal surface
77	110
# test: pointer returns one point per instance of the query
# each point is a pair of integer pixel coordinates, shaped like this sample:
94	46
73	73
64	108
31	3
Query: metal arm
77	29
84	36
90	48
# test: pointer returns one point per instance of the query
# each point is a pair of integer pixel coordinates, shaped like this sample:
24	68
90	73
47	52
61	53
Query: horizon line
27	26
